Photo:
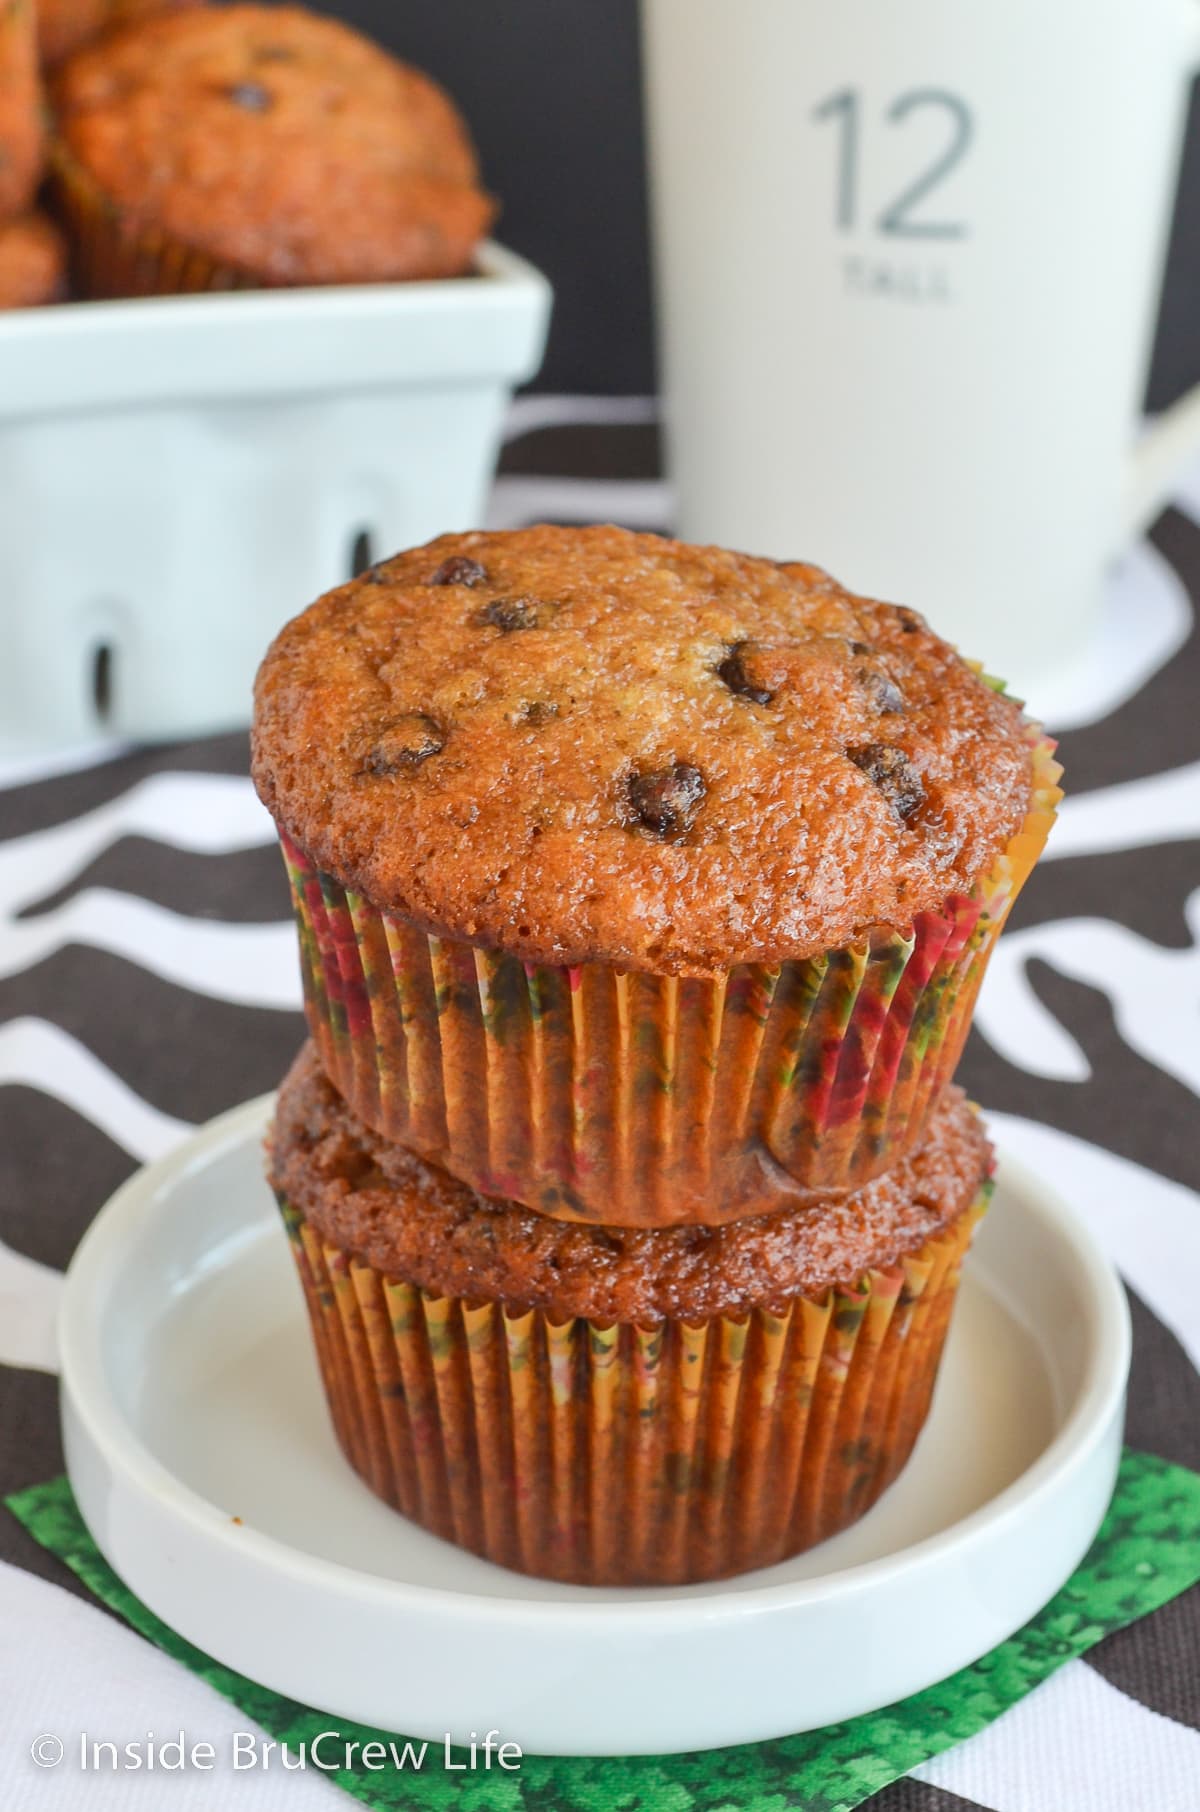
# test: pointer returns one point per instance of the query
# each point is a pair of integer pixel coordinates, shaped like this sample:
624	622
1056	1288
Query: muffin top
281	144
65	25
33	262
580	744
411	1220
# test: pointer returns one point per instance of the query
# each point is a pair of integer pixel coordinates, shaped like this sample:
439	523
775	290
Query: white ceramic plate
191	1398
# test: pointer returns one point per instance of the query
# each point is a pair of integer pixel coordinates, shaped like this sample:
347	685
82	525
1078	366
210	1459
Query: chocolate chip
538	713
458	570
881	689
910	621
508	614
860	648
250	96
732	670
893	773
406	743
666	800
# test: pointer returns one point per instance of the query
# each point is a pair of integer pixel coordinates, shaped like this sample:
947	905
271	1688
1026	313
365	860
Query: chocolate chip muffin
562	1399
33	262
583	744
20	108
64	26
252	145
638	882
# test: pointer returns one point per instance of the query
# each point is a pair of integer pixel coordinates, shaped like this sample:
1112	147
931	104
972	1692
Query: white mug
908	259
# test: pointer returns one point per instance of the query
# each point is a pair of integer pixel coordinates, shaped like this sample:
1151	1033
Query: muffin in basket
249	146
620	1406
20	108
33	262
64	26
638	882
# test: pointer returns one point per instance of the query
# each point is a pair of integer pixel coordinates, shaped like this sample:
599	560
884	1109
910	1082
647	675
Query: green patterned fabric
1147	1552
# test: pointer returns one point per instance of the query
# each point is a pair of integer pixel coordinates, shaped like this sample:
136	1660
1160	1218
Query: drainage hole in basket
102	681
362	553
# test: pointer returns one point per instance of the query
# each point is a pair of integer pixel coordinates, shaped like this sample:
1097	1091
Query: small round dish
202	1460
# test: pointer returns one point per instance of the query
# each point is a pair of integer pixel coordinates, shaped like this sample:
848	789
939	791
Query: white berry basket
179	475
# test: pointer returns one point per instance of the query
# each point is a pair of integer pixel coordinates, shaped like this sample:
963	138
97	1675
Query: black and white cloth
148	980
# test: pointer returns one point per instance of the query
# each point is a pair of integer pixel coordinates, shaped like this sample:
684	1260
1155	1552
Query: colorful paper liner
624	1455
114	257
635	1099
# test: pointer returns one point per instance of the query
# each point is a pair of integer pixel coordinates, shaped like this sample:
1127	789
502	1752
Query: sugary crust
595	745
33	262
409	1220
282	145
21	134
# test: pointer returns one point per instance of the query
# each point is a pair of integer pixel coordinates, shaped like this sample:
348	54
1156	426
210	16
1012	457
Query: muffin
20	108
33	262
251	146
640	883
620	1406
64	26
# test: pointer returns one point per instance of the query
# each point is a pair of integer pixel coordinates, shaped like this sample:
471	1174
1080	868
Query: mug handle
1175	436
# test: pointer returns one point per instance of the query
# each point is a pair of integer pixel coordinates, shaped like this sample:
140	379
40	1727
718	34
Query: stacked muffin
644	892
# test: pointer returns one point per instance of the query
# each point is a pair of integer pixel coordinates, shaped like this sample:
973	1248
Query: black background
552	91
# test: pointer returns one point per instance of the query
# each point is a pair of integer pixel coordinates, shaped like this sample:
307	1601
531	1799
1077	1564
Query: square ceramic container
179	475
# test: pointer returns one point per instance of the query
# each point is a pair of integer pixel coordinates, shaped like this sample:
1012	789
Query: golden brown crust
580	744
65	26
21	133
33	262
409	1220
282	145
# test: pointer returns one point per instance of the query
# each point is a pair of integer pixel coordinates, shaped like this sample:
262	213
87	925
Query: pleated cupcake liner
632	1099
115	256
626	1455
